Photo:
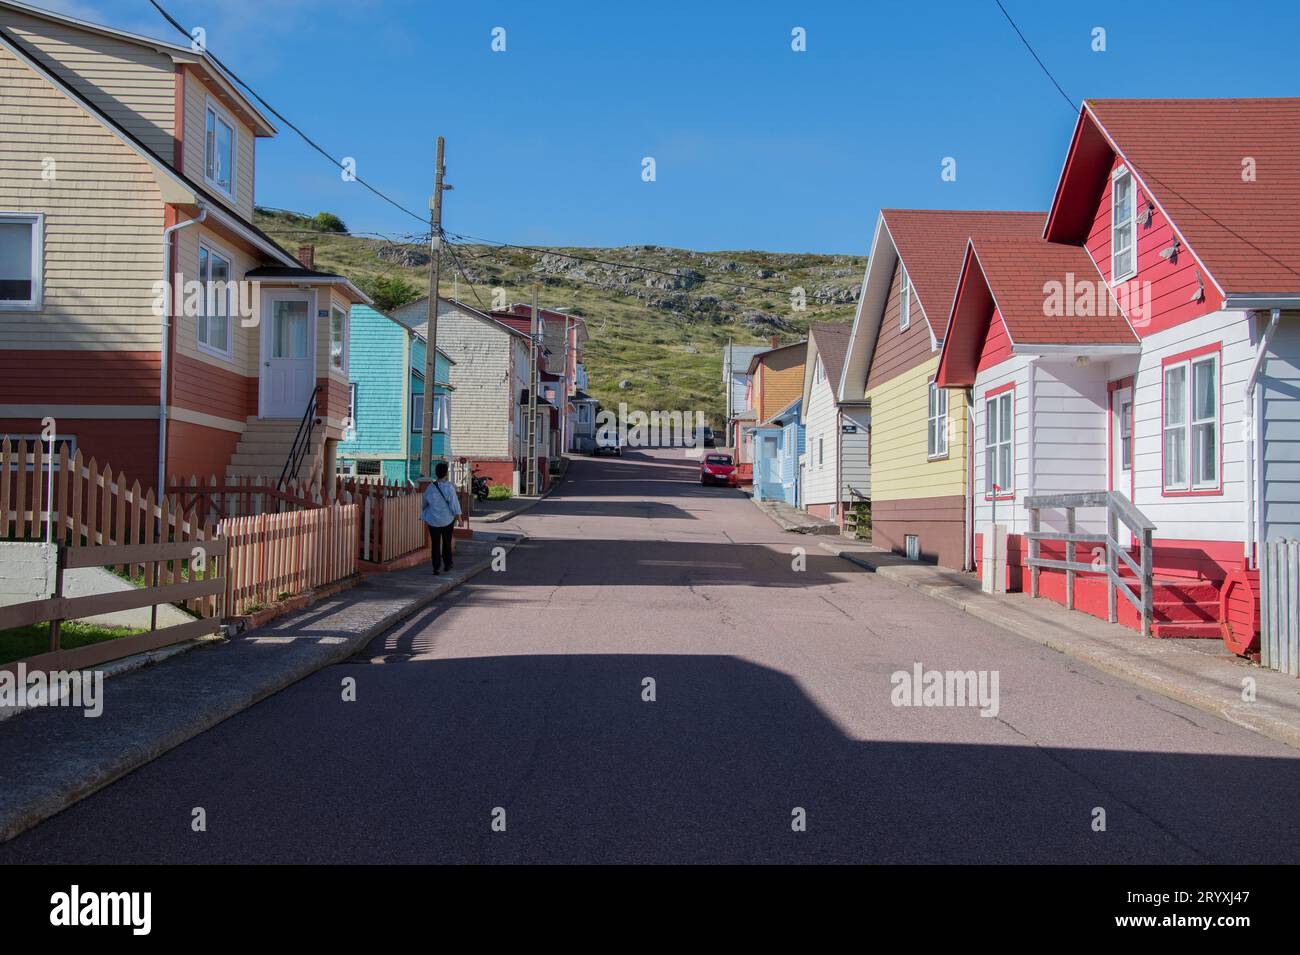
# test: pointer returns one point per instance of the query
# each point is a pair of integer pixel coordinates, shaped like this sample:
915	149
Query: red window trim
993	393
1214	348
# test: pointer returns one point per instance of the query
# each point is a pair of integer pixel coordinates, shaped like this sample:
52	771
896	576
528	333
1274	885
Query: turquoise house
778	443
386	406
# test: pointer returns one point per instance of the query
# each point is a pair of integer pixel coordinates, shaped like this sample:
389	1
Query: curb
501	516
1252	716
16	822
790	527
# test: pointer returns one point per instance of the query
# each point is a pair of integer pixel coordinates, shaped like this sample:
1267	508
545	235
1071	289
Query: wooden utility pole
532	486
431	335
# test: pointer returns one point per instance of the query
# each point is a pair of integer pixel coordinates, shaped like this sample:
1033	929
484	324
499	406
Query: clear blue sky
756	146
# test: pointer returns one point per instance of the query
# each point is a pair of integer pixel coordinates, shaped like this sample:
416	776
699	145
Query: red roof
931	243
1048	293
1192	154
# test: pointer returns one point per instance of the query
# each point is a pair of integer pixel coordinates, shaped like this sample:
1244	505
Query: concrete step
1185	630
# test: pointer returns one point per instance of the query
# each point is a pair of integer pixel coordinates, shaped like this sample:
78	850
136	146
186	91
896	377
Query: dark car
717	469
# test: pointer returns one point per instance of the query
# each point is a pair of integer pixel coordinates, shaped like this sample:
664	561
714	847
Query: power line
455	258
280	116
1164	187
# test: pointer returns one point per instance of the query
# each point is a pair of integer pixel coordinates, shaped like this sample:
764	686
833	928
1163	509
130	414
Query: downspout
969	557
1254	523
165	345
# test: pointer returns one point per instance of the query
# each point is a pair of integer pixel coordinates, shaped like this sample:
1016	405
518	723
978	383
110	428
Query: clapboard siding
103	221
898	351
819	425
197	94
900	465
245	356
855	453
132	84
1279	387
1171	284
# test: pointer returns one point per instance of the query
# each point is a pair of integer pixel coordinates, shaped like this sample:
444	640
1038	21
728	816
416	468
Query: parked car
608	445
717	469
709	440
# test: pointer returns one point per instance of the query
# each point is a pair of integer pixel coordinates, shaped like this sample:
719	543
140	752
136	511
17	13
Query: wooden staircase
264	447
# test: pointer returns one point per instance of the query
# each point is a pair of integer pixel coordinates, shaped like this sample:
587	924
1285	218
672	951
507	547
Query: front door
1121	448
288	353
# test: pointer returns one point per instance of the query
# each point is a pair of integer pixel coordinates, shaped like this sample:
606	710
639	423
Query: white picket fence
1279	606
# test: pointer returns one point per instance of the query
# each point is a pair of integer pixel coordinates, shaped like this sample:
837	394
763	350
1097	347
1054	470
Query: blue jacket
439	505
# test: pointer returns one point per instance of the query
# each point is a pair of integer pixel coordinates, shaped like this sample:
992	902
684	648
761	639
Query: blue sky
756	146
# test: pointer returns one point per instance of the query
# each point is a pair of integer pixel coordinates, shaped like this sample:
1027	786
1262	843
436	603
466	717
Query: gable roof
930	243
365	308
176	187
179	53
758	357
1189	157
1012	274
832	345
414	315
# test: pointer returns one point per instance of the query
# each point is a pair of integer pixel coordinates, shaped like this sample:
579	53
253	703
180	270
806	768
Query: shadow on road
587	771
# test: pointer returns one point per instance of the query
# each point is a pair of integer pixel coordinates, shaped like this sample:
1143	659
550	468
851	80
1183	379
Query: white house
837	460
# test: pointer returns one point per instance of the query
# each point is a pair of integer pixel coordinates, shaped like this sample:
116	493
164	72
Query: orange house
775	380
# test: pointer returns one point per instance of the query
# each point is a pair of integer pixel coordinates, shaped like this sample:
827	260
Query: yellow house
919	462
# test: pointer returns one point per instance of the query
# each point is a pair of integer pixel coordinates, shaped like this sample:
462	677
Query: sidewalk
794	521
1205	675
498	511
50	758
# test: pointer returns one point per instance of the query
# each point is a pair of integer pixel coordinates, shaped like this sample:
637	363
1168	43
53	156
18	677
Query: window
998	456
441	413
215	309
1191	424
819	372
936	443
904	298
1123	227
371	468
21	253
338	338
1126	435
219	160
352	410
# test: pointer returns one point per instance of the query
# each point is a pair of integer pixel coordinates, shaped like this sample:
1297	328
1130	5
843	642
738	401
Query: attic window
1123	227
904	298
219	160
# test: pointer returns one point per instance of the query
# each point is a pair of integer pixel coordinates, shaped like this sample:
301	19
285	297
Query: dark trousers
440	538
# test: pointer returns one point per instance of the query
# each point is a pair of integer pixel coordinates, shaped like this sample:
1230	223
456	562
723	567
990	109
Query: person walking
439	508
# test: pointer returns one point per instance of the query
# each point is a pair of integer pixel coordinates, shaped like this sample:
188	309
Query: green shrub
328	222
388	291
498	492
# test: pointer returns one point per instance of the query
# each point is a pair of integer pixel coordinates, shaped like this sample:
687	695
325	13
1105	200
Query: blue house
778	443
386	410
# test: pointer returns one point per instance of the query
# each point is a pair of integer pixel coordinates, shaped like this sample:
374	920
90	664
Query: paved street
523	690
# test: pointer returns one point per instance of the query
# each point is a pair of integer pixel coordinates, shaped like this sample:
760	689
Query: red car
717	469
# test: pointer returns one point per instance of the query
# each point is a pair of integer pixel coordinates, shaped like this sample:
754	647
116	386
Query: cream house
127	163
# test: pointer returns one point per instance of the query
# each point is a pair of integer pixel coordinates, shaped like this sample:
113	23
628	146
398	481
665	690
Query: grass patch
499	492
24	642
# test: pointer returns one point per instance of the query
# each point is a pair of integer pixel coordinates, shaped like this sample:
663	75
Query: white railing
1118	509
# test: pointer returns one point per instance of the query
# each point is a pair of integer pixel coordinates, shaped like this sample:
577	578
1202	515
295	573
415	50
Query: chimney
775	340
307	256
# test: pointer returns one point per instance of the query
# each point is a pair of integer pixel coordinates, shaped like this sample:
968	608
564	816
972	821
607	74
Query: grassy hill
656	336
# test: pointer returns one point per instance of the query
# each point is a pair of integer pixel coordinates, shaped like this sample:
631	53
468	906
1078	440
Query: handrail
301	441
1118	508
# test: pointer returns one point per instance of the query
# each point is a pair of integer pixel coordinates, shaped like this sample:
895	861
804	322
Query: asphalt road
523	692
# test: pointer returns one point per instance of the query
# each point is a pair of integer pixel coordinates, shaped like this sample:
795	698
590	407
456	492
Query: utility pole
532	399
431	335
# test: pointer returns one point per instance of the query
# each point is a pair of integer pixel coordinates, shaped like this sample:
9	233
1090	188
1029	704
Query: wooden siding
1279	384
193	449
379	358
209	388
997	343
820	424
484	375
938	523
900	465
899	351
855	453
1172	284
81	376
780	382
132	84
197	94
103	221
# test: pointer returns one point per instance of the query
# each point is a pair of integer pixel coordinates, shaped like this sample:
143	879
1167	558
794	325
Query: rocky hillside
656	331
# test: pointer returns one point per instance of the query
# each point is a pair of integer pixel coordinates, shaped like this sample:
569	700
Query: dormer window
1123	227
221	143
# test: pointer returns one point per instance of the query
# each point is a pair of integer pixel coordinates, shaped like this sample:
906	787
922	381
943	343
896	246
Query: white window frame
936	433
821	452
221	115
204	277
37	300
441	413
344	342
904	298
352	410
1191	423
819	373
1005	402
1130	224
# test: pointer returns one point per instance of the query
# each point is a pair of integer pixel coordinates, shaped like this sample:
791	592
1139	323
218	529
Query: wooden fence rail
282	554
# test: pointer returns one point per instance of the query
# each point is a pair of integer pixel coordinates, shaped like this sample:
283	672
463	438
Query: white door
1121	449
288	353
